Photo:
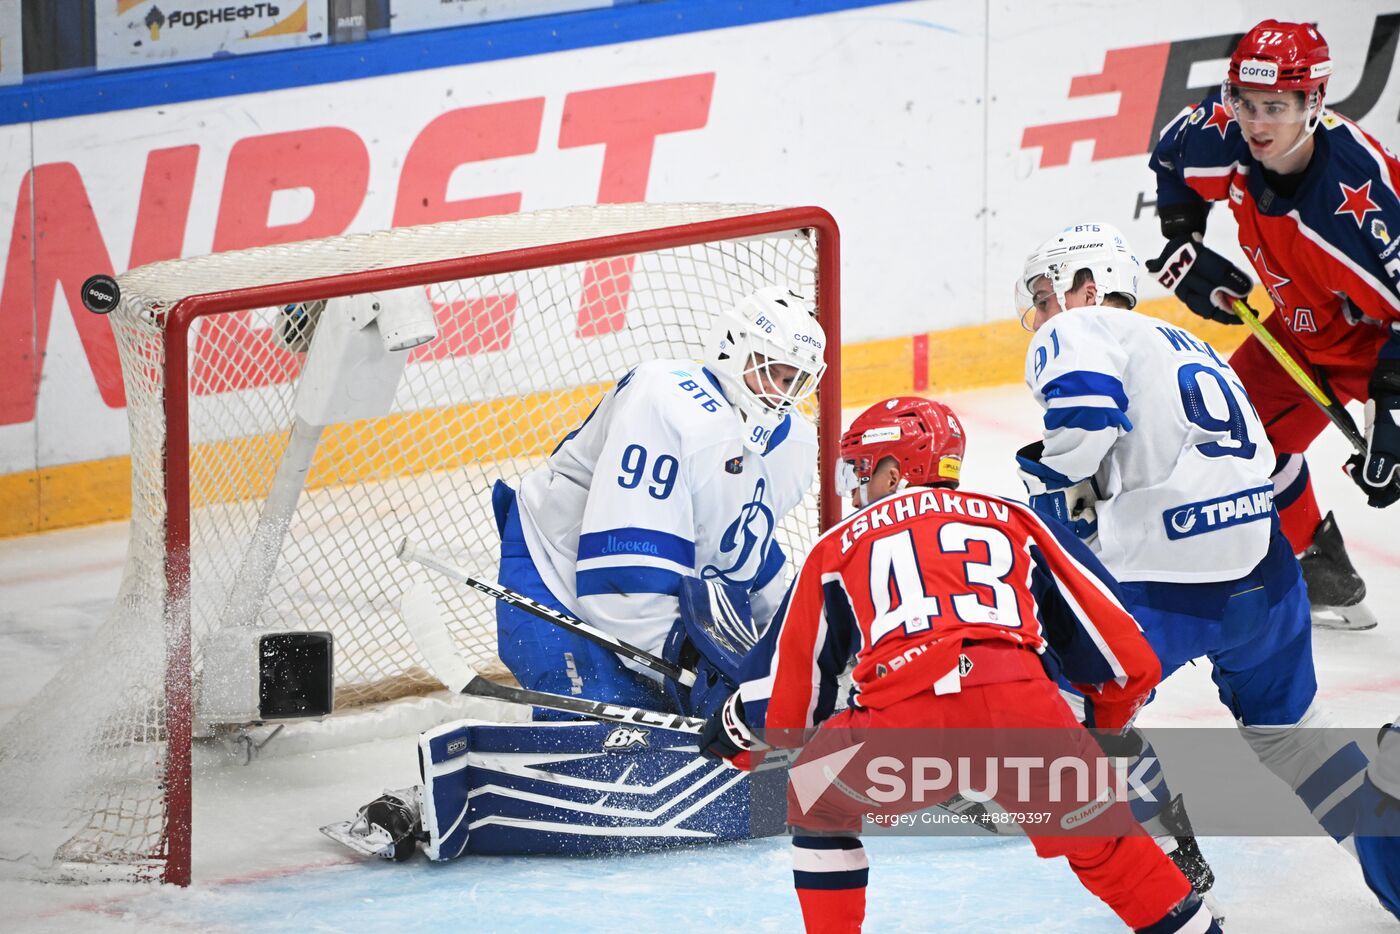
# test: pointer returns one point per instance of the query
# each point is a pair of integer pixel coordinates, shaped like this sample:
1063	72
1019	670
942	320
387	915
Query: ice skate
1179	843
388	827
1337	592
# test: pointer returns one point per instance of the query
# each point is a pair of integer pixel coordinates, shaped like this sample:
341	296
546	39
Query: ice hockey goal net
535	315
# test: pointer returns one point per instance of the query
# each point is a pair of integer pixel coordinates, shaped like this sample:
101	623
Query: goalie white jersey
1162	425
656	485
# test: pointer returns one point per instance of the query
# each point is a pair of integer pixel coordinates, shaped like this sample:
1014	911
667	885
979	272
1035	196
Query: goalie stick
408	551
423	616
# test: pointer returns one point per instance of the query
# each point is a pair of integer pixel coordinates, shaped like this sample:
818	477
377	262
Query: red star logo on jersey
1271	280
1357	202
1220	118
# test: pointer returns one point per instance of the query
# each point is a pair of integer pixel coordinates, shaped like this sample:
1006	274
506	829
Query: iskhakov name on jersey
915	503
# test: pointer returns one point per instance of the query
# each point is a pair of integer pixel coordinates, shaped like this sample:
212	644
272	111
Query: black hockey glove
726	736
1378	473
1183	218
1205	281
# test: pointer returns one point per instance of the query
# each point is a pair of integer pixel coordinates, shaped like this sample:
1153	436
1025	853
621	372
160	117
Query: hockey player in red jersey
953	604
1319	218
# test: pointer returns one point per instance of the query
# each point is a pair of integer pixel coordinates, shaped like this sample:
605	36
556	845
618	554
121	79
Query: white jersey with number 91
1162	424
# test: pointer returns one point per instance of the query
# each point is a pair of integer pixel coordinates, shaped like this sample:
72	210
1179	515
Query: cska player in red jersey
947	600
1319	218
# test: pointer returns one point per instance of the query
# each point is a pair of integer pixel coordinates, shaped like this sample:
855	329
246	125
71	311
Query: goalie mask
923	435
1281	58
766	352
1099	248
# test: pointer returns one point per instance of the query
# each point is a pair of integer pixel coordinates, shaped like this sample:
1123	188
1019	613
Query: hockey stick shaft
409	551
597	710
1330	407
422	615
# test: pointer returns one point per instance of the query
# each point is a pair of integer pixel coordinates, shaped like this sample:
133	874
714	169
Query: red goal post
535	315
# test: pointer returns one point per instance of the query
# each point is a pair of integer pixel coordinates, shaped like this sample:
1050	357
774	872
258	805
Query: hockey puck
100	294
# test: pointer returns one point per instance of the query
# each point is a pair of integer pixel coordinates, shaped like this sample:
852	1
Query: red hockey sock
830	874
832	911
1297	507
1133	877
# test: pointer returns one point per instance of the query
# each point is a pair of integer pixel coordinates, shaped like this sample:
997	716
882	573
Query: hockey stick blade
422	615
411	552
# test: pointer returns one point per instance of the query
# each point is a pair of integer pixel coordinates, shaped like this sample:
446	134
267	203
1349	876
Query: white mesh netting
519	360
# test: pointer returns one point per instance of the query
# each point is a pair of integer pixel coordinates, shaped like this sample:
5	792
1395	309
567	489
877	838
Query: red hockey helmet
1280	57
1276	56
923	435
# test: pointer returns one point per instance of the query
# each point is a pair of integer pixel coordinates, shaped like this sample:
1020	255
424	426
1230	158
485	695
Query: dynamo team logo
746	539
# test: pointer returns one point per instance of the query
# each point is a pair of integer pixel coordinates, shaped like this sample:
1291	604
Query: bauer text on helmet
767	352
1084	264
903	441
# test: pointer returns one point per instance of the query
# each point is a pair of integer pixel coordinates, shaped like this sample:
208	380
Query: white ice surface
260	864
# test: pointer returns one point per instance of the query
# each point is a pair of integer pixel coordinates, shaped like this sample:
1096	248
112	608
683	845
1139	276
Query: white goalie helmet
767	352
1100	248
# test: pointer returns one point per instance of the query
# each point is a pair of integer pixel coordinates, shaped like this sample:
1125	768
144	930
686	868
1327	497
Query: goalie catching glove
1205	281
726	736
714	632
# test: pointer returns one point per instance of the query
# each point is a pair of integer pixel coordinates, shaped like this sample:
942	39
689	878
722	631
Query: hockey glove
1111	716
1056	496
1183	218
1205	281
710	638
726	736
1378	473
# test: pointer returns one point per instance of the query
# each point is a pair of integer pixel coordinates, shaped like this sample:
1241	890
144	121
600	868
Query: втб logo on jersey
1219	513
747	538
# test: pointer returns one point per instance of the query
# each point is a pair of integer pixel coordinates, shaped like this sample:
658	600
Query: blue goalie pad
578	789
713	634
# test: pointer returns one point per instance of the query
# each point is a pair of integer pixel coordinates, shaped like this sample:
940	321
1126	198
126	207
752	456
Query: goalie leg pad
584	788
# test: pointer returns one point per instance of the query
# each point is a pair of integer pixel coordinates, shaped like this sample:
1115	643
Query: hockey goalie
653	524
